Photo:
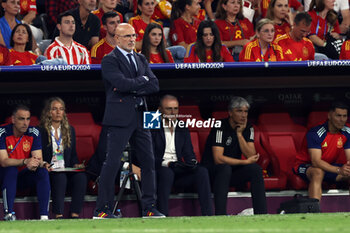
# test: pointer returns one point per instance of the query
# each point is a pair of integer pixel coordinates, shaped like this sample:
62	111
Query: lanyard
58	142
16	145
325	28
262	55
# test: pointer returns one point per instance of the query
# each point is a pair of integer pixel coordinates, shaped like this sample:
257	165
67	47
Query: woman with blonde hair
262	49
59	150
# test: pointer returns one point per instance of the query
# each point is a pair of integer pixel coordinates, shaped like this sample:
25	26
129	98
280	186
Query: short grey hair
238	102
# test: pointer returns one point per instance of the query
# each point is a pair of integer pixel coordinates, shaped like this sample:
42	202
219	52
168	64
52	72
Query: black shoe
152	213
106	213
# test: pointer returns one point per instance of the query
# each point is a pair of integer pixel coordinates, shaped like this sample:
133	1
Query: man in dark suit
176	163
127	79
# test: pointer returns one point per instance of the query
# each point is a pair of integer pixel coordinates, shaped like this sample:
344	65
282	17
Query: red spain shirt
281	29
302	50
252	52
193	58
99	50
319	26
156	58
182	31
22	58
345	51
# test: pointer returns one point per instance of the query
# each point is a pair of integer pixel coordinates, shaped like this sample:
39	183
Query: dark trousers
141	141
13	179
225	176
76	181
199	179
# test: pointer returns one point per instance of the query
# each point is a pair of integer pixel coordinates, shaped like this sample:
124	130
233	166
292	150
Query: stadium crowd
297	30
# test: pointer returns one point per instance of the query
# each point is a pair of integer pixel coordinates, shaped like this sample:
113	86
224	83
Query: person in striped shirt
64	46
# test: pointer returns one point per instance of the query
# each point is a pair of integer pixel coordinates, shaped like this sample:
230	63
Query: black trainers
106	213
152	213
10	216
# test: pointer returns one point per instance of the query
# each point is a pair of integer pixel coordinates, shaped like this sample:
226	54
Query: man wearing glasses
128	79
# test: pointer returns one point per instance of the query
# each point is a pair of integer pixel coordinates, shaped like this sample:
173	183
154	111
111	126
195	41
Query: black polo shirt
225	137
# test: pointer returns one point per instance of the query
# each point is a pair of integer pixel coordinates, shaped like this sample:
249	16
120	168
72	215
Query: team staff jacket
182	31
319	26
233	31
331	145
252	52
225	137
193	58
302	50
156	58
123	89
183	145
139	26
345	51
99	13
25	58
19	147
99	50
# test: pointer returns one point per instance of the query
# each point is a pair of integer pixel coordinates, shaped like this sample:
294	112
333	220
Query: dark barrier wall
296	87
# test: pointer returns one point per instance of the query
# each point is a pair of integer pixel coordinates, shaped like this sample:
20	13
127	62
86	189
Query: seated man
325	143
295	45
21	162
222	157
110	21
105	7
64	46
176	163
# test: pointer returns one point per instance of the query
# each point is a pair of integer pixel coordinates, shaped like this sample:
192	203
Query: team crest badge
340	143
229	141
305	52
244	26
26	146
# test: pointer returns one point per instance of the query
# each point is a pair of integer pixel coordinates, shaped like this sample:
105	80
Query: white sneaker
44	217
247	212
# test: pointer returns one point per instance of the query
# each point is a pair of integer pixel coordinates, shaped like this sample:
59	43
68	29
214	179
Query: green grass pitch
289	223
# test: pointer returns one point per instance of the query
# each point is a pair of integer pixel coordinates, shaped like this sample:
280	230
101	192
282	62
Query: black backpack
299	204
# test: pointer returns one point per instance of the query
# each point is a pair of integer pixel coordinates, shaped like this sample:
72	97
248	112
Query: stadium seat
220	115
195	144
34	120
87	137
192	110
80	118
273	177
316	118
282	139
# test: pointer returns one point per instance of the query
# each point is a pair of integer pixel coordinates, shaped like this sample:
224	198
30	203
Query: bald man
127	79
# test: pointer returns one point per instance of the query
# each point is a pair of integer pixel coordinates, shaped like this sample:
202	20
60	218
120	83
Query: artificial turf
315	223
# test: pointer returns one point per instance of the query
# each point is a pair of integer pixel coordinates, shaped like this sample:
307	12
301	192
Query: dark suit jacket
123	91
69	154
183	145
